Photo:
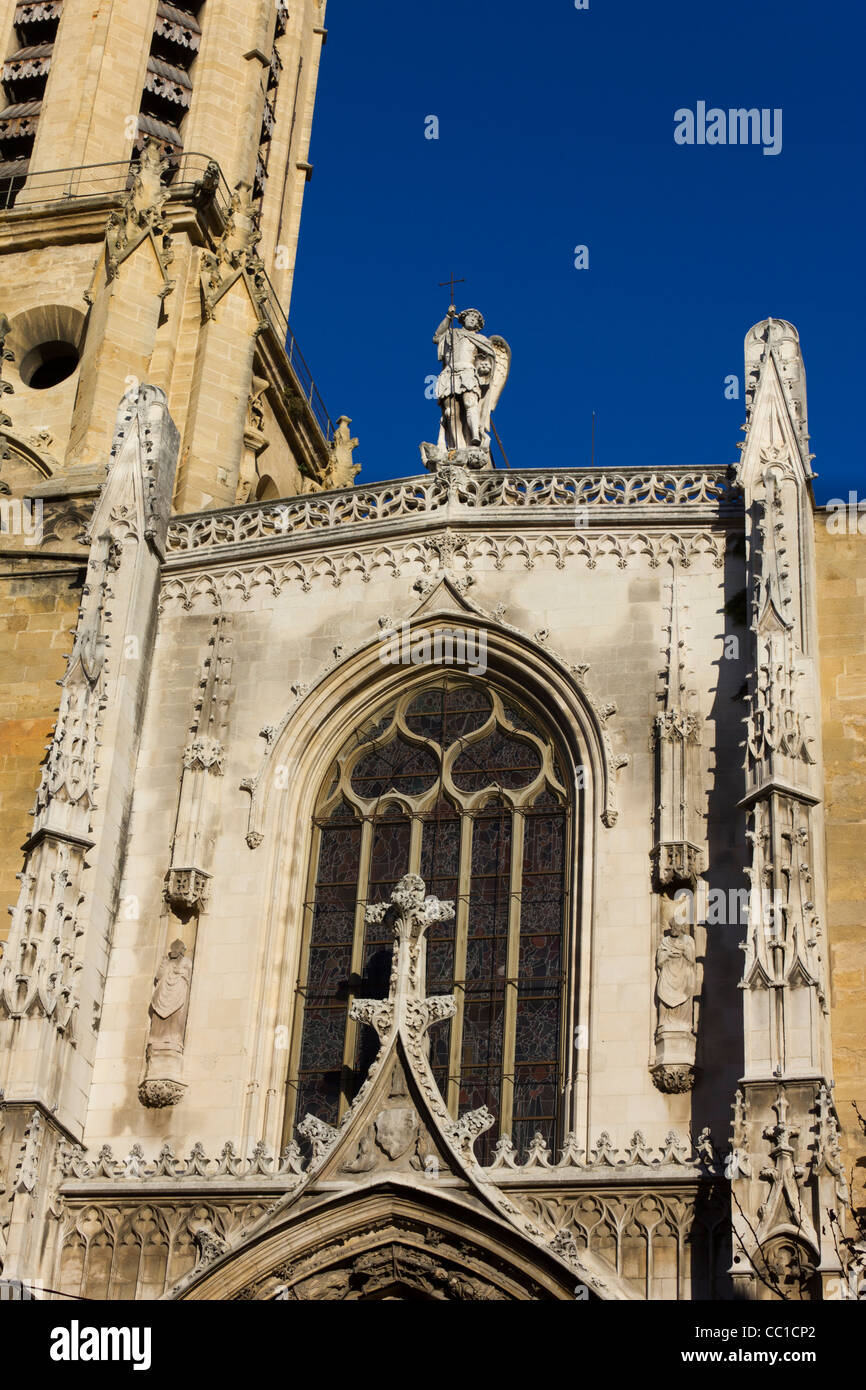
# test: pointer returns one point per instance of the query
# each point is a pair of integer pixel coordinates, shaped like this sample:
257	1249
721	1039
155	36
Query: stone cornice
235	573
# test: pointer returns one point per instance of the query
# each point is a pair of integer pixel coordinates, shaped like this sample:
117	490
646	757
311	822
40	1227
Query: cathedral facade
446	888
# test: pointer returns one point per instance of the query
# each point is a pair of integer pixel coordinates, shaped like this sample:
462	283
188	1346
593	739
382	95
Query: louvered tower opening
272	83
167	92
25	73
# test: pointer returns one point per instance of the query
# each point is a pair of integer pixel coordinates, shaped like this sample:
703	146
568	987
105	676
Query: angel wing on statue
474	369
498	379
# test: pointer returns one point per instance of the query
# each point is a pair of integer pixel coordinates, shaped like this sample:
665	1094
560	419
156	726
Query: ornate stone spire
787	1054
677	856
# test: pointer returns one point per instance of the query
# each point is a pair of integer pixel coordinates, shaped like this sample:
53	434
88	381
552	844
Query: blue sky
556	129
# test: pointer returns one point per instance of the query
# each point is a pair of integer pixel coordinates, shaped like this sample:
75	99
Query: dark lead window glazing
466	790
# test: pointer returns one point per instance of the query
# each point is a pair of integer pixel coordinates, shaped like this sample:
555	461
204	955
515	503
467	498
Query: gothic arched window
459	784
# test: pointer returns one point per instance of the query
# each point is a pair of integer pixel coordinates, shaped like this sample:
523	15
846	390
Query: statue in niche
169	1006
474	371
677	978
168	1010
170	1002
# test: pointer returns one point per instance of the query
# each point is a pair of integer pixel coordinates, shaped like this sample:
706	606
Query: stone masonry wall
36	614
841	565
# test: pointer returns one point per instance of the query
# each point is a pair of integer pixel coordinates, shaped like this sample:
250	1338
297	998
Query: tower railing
38	188
192	178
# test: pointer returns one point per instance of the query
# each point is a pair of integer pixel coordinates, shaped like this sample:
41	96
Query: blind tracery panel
461	786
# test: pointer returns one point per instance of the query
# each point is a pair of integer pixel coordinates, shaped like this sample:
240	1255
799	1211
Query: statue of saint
170	1002
677	980
474	370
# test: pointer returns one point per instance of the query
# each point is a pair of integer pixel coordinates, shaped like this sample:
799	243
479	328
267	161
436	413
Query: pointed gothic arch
394	1240
455	783
299	756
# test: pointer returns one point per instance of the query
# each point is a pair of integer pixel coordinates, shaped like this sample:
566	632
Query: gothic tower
153	168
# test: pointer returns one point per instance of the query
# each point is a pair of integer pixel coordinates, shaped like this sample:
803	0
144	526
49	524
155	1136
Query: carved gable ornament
235	257
142	216
399	1154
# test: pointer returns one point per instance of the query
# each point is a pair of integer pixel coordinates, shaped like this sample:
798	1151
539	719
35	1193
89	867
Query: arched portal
391	1242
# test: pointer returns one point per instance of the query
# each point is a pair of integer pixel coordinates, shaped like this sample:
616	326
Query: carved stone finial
470	1127
27	1167
235	253
411	912
320	1135
341	469
739	1163
141	213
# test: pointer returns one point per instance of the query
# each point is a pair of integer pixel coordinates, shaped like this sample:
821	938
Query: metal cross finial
451	282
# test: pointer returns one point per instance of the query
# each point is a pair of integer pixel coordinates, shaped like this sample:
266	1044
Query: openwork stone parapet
574	497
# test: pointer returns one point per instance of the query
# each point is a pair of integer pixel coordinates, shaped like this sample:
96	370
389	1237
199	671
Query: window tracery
457	783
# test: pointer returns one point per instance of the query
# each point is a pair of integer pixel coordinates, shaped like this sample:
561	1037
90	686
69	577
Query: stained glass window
466	789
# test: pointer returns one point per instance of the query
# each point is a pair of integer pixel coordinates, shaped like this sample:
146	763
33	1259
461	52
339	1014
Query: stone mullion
300	990
357	962
416	830
509	1030
461	938
568	996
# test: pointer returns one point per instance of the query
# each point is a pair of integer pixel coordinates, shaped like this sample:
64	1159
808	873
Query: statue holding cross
474	371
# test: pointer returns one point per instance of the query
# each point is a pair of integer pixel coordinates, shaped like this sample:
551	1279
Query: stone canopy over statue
474	371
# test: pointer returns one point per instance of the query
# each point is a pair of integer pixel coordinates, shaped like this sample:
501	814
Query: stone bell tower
153	160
